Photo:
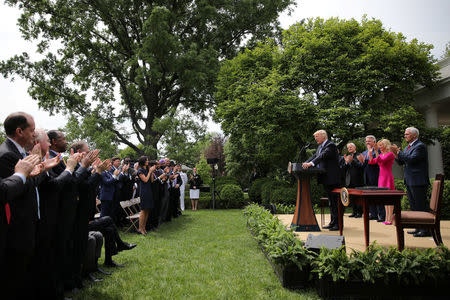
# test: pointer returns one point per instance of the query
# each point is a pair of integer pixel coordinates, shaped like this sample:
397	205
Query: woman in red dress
386	179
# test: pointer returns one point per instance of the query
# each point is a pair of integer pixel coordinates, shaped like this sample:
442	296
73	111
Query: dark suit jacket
10	188
416	164
353	173
49	193
21	231
107	187
329	160
371	172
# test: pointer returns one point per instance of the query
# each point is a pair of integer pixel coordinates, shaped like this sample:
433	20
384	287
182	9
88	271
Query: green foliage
221	181
267	122
269	190
280	244
286	195
357	73
231	196
285	208
446	54
130	63
390	266
350	78
254	193
182	138
87	129
204	170
2	134
130	152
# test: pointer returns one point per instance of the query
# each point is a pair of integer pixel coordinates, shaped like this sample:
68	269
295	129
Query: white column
435	164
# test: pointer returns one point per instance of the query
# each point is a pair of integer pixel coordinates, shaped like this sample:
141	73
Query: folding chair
131	212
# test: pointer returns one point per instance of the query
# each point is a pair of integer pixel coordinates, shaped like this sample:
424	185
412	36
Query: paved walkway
385	235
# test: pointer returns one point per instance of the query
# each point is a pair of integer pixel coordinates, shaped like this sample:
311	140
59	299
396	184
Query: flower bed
375	272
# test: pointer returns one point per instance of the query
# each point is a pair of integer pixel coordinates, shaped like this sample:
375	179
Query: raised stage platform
384	235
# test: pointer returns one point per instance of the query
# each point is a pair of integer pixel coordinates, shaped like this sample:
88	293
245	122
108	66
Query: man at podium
327	157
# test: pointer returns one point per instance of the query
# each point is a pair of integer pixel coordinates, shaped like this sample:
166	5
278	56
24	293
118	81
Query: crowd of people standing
50	236
373	168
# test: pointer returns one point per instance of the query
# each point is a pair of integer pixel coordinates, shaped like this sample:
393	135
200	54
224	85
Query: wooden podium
304	217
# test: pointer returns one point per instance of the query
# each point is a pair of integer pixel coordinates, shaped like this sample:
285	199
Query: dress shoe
100	270
334	228
93	278
113	264
125	246
422	234
352	216
381	220
328	226
373	218
413	231
358	216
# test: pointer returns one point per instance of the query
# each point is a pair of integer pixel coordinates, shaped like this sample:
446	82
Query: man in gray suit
415	159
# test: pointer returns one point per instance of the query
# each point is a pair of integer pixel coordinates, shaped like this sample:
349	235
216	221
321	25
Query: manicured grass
201	255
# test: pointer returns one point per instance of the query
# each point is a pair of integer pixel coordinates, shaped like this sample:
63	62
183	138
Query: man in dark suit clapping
24	208
353	174
327	157
415	159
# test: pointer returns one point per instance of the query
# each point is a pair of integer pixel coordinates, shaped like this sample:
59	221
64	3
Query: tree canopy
126	64
350	78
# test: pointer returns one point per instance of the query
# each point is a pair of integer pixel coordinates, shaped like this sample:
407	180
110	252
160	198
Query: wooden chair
129	207
427	220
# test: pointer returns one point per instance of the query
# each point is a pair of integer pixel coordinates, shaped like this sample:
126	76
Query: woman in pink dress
386	179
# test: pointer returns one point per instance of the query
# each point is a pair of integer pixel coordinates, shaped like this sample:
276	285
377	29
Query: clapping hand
26	166
50	163
360	157
71	163
395	149
89	158
116	172
37	150
348	158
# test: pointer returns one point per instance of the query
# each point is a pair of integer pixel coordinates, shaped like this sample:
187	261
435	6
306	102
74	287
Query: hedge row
375	265
272	191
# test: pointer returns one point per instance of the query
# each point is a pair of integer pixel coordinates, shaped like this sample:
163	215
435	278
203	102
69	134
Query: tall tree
216	150
87	129
358	72
130	62
266	122
350	78
183	138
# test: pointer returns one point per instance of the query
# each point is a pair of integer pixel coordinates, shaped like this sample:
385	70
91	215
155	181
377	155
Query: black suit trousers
332	198
417	196
106	226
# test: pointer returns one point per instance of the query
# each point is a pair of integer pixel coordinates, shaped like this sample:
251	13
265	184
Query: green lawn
201	255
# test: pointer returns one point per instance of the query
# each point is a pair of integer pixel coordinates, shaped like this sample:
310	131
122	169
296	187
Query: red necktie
409	146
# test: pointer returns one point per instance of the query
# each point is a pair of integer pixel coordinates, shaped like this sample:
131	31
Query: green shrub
254	193
223	180
285	195
285	208
280	244
267	190
231	196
